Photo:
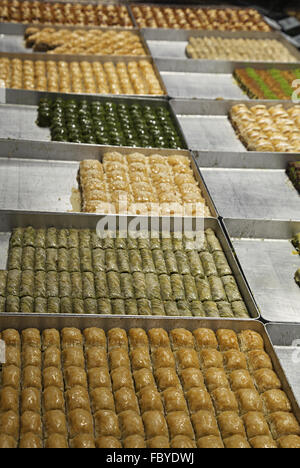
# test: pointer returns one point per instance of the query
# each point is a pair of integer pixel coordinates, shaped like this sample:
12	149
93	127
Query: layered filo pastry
182	389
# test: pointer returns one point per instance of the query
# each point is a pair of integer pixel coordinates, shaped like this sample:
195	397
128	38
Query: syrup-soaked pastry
140	359
117	338
205	424
258	359
158	442
50	337
174	400
179	424
31	422
71	337
118	357
134	441
227	340
99	377
224	400
236	442
155	424
31	356
241	379
83	441
263	442
106	424
159	338
11	338
256	424
96	357
182	442
11	377
230	424
108	442
9	399
181	338
266	379
143	378
94	337
199	399
250	340
131	424
80	422
77	398
32	377
205	338
289	442
137	338
276	400
187	358
163	357
166	377
121	377
31	337
10	424
55	423
7	442
52	376
211	358
52	357
282	424
234	360
249	400
75	376
53	399
150	400
126	400
73	356
191	378
31	400
12	356
210	442
30	441
56	441
215	378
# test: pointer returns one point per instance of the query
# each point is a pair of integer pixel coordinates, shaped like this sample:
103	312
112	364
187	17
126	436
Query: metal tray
207	79
267	258
37	177
91	59
19	113
20	323
253	193
12	36
12	219
171	43
207	127
286	341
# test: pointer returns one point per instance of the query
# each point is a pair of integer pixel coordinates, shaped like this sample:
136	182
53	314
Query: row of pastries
83	41
239	50
134	77
40	12
135	390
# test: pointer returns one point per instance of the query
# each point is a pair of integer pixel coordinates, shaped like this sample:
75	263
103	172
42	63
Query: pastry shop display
267	129
39	12
109	123
267	84
84	41
238	50
134	77
221	19
75	271
137	184
293	171
91	389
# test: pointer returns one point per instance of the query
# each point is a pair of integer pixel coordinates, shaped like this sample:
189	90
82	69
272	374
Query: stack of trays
149	292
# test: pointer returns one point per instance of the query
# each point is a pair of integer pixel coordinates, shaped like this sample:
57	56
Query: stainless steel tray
12	219
37	177
207	79
20	322
206	125
171	43
253	193
19	113
88	58
286	341
267	258
12	36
